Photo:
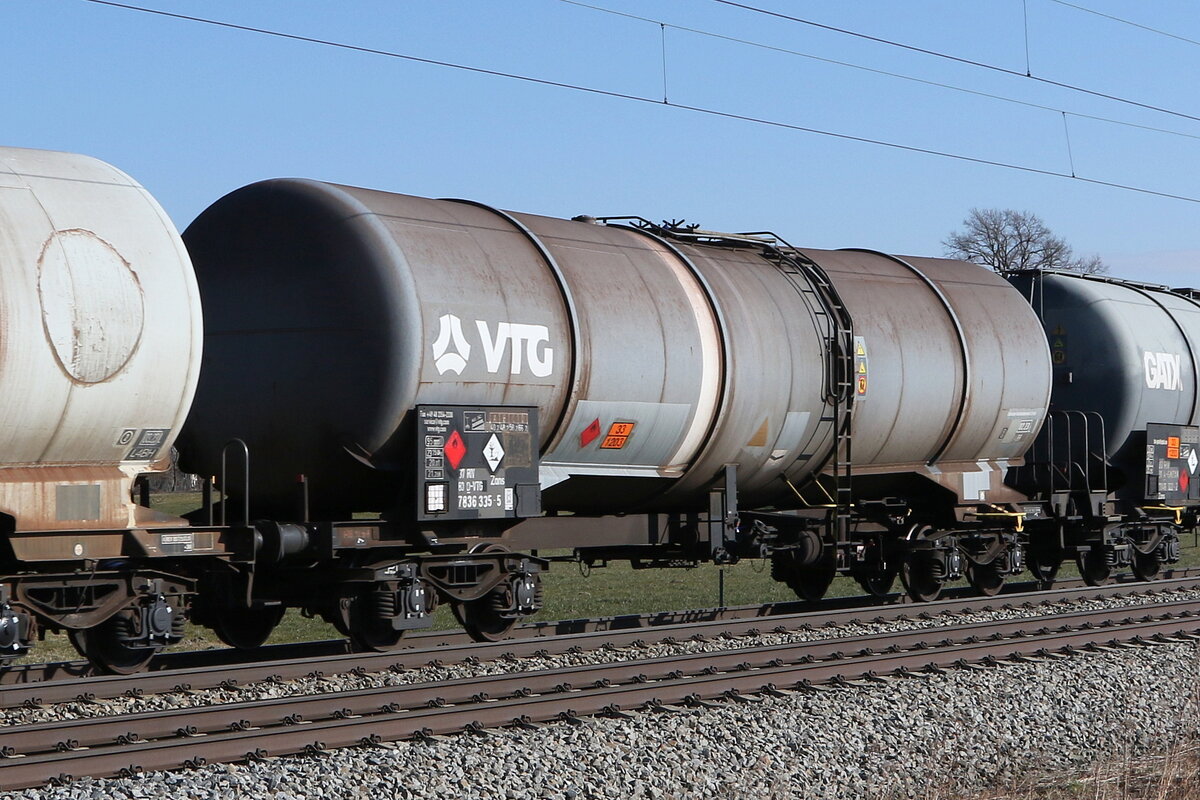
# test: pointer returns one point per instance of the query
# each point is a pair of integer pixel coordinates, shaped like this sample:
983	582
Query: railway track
67	682
194	659
127	744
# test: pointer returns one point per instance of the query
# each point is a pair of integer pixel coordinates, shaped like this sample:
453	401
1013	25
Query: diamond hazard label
1192	460
455	449
590	433
493	452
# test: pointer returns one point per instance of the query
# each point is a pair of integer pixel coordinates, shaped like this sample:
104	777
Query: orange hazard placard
1172	447
618	434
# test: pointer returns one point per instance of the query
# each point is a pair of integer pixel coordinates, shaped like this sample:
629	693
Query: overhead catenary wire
876	71
1128	22
642	99
957	59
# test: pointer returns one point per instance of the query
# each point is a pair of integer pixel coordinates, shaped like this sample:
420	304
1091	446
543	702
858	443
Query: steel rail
389	723
99	731
191	659
230	675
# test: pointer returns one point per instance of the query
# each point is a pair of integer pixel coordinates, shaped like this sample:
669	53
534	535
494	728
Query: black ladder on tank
813	285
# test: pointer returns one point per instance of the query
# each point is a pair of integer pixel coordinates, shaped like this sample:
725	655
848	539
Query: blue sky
194	111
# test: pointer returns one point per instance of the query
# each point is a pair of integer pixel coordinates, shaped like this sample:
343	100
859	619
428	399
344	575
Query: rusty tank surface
954	383
101	343
332	312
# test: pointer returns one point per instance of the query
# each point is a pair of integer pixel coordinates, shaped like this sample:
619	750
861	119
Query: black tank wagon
1116	463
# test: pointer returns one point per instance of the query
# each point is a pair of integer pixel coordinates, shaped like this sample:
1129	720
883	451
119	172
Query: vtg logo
530	344
1163	371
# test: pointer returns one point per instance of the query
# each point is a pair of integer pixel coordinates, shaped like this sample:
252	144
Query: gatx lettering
526	346
1163	371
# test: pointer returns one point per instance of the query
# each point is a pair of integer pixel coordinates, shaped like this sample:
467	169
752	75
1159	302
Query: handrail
245	478
1070	445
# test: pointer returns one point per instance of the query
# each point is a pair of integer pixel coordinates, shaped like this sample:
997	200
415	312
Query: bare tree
1008	240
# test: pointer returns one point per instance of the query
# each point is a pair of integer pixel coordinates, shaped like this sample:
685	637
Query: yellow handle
1177	509
1018	515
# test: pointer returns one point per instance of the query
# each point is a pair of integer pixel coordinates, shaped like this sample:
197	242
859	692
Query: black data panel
477	462
1171	463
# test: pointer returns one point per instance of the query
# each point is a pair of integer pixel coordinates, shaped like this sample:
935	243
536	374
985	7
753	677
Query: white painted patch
712	364
92	306
977	484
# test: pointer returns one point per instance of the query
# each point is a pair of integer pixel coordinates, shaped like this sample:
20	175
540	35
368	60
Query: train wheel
986	579
810	582
482	621
1093	567
1044	572
368	630
877	584
101	646
247	628
1146	566
919	579
376	636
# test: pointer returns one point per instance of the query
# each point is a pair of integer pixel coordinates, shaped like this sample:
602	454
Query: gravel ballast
438	672
907	737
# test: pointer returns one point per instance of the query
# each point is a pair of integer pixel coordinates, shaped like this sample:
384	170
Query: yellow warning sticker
860	364
759	439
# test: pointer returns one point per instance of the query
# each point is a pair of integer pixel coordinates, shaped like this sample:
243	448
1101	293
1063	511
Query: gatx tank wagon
408	401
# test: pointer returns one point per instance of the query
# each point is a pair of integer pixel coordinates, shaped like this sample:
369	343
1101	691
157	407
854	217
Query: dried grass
1172	774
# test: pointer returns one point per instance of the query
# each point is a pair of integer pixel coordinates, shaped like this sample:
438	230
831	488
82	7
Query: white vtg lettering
541	363
1163	371
525	344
